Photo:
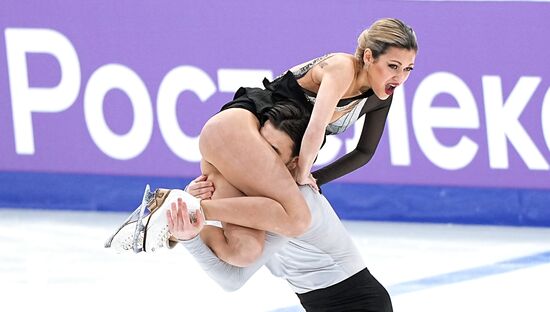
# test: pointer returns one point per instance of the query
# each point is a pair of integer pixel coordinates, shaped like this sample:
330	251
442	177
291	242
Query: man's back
323	256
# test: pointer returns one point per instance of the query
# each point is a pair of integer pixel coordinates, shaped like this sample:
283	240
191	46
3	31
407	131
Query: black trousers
360	292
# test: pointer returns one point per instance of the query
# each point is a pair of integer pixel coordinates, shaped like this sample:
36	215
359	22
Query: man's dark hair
291	118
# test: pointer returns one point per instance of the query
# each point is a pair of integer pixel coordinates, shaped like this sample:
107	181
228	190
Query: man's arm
230	277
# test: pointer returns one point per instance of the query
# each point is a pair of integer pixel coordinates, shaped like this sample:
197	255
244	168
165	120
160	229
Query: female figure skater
337	88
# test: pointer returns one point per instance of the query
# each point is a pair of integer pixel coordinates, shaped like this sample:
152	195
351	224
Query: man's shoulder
311	195
307	189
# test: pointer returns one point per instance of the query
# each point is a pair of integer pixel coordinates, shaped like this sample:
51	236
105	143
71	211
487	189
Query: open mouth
390	87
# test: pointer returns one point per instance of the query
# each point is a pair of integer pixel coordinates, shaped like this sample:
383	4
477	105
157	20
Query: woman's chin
382	96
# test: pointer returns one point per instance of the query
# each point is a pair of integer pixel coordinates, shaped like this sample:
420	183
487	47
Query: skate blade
136	216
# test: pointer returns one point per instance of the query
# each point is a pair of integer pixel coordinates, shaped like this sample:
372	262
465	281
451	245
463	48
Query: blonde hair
383	34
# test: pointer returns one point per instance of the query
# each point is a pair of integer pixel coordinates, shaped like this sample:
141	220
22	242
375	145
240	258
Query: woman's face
390	70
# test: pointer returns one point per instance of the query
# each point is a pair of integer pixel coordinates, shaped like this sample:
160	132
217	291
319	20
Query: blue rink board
519	207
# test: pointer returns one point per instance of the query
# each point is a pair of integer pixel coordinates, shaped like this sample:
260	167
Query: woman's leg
232	143
236	245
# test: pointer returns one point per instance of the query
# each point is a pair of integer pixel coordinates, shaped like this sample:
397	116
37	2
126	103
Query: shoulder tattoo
323	64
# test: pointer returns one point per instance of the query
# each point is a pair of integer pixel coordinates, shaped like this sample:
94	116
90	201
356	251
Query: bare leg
241	152
231	142
236	245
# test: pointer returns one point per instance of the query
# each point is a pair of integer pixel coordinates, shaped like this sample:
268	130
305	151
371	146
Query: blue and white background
99	98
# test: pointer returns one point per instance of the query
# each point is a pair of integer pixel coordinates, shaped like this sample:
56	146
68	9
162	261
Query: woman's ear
367	57
293	163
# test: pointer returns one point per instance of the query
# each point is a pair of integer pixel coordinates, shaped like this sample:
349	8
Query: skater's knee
245	247
247	258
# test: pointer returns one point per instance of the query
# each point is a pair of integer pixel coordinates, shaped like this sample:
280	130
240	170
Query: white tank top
354	106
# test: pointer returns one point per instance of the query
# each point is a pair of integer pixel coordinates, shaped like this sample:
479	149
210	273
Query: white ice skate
150	232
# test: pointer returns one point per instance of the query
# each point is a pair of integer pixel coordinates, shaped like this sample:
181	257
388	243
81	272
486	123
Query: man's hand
201	188
182	225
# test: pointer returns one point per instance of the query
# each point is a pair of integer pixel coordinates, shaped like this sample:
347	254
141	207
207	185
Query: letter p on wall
27	100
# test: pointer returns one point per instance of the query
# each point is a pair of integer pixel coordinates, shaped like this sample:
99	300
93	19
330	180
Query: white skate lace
162	238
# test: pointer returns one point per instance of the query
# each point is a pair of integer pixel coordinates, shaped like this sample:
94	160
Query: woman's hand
308	179
201	188
182	225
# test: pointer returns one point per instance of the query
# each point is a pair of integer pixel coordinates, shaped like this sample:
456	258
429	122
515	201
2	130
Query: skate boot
123	240
150	232
156	233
